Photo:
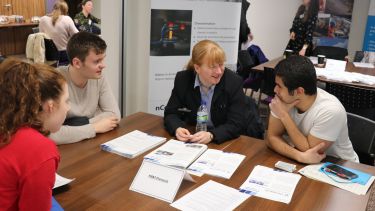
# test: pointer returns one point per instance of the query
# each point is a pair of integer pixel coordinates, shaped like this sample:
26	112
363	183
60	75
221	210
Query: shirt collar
197	83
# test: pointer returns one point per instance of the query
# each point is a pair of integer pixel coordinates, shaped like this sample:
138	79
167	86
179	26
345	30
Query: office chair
331	52
268	84
252	80
52	53
362	135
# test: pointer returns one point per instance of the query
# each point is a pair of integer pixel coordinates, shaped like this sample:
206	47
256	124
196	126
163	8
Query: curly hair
23	89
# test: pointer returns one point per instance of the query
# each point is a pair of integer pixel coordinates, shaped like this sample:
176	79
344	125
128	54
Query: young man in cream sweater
93	106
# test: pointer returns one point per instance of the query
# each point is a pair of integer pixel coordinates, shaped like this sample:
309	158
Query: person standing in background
85	20
301	33
59	27
34	102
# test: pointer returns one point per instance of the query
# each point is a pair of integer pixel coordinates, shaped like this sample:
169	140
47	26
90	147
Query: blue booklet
361	179
55	205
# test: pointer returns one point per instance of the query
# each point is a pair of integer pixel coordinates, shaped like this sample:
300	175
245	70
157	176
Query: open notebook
132	144
176	153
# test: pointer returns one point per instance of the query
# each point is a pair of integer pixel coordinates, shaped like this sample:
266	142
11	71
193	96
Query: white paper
333	65
176	153
132	144
271	184
60	181
158	181
211	196
364	65
312	172
217	163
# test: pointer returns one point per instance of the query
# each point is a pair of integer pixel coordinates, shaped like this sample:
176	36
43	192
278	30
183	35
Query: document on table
312	172
211	196
216	163
132	144
60	181
271	184
364	65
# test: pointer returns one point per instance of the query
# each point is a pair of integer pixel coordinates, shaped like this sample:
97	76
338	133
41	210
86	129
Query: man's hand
106	124
312	155
202	137
292	36
183	134
279	108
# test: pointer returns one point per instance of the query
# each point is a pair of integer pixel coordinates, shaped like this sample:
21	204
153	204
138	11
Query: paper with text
211	196
132	144
271	184
217	163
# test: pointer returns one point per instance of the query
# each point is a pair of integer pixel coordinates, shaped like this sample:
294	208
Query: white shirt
326	119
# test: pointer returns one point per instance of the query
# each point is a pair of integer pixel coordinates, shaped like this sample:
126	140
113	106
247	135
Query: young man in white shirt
93	106
306	122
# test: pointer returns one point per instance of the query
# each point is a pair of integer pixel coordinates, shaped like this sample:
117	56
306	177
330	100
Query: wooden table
13	37
349	68
103	179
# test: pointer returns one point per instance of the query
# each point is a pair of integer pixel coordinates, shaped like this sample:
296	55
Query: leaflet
271	184
176	153
217	163
132	144
211	196
61	181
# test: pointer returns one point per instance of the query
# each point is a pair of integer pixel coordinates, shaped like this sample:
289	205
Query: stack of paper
176	153
271	184
363	65
217	163
312	172
132	144
211	196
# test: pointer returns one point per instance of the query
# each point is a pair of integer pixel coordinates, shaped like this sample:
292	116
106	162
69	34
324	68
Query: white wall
358	27
111	15
137	53
97	8
270	21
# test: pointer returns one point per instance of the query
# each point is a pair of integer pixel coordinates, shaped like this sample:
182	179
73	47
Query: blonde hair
206	50
60	8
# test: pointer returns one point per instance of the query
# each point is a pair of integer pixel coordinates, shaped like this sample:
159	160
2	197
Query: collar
197	83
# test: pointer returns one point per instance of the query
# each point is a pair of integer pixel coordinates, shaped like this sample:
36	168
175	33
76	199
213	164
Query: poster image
170	32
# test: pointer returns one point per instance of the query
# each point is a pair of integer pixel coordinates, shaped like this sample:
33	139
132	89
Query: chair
356	100
362	135
35	29
52	53
331	52
251	79
268	84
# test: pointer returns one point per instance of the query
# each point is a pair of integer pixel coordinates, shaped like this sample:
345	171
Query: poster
369	39
176	26
334	21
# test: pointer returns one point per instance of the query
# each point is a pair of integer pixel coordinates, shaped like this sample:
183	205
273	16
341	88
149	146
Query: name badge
159	181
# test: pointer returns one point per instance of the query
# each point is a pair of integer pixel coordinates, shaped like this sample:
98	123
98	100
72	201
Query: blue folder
361	179
55	205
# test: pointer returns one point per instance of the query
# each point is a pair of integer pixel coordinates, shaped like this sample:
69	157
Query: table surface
102	179
349	68
18	24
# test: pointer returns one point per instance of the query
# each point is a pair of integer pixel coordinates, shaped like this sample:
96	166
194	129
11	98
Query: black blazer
227	107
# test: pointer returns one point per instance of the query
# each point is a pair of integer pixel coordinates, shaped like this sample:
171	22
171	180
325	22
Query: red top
27	171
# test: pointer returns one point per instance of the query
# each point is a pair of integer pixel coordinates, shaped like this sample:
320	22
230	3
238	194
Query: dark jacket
227	107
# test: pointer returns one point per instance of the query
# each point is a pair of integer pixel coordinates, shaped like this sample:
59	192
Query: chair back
362	135
245	62
52	53
268	84
331	52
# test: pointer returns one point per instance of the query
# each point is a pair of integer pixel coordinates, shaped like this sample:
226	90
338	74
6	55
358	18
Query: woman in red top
33	103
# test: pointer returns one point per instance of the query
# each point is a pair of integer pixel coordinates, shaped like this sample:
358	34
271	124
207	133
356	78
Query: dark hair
312	10
80	44
23	89
297	71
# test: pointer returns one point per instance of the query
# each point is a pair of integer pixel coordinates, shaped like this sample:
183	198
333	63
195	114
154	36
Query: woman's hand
292	35
183	134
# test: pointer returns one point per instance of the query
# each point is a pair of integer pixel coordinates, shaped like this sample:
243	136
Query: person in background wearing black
301	33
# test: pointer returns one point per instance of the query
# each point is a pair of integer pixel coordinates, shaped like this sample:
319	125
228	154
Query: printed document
132	144
216	163
60	181
176	153
211	196
271	184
